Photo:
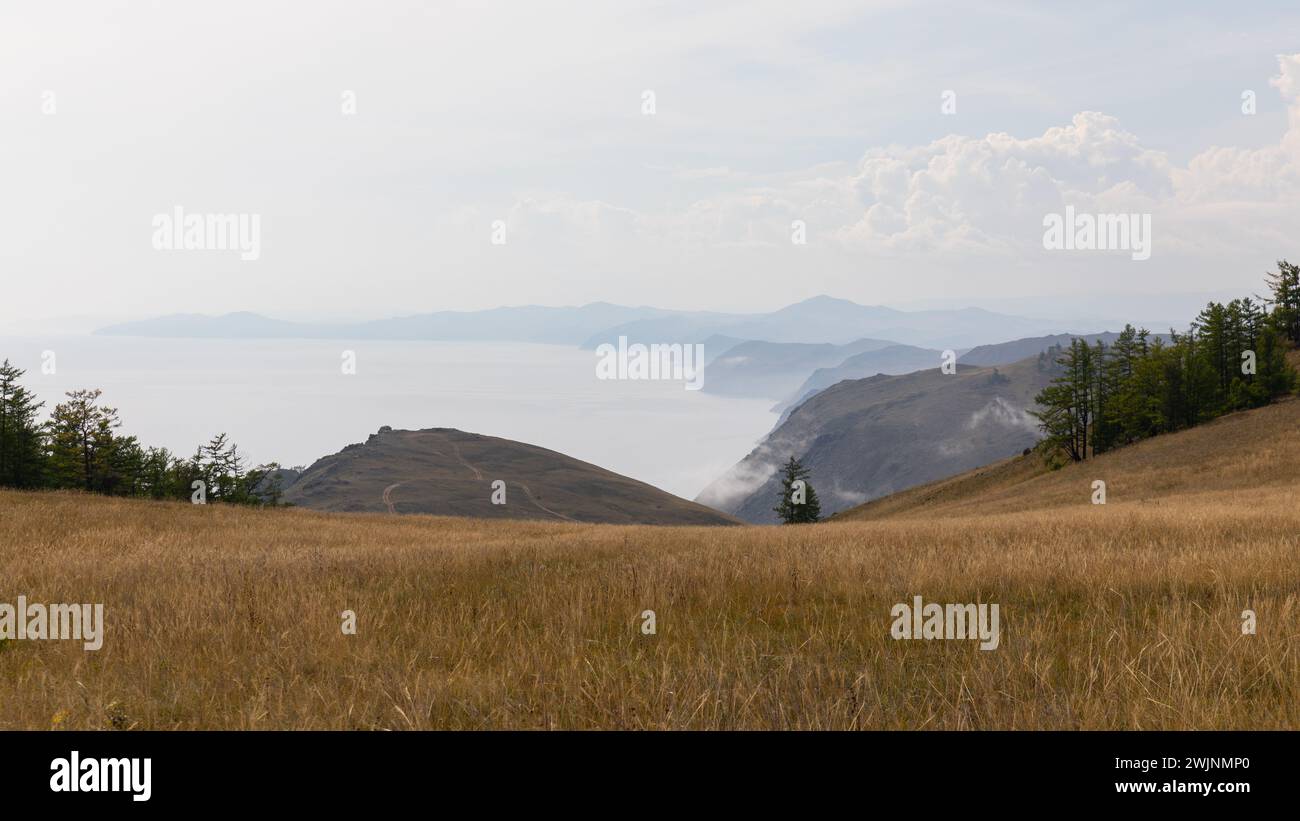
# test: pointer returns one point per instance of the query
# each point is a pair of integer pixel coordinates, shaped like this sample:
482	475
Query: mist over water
288	400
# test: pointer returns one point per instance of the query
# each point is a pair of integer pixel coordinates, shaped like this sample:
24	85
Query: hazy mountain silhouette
531	323
1004	353
890	360
825	319
818	320
772	369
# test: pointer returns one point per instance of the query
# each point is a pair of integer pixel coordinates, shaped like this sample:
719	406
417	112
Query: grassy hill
1122	616
1252	451
447	472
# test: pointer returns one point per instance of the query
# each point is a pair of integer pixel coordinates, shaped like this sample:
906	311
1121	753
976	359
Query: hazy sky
531	113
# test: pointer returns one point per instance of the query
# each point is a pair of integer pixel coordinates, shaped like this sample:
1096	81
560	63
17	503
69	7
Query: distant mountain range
824	319
447	472
532	323
820	320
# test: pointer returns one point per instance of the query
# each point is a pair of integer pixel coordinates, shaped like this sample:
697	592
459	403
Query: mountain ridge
822	319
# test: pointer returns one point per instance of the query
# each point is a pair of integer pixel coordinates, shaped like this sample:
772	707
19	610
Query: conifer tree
1067	403
1284	286
81	440
22	437
799	504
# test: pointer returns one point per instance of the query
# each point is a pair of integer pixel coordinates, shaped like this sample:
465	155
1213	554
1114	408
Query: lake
289	400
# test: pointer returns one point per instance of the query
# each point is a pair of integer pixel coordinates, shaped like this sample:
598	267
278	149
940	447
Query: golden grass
1123	616
1238	452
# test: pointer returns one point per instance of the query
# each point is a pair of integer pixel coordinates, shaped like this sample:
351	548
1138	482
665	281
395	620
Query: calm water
287	400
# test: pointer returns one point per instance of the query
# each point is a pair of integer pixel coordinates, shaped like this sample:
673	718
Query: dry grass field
1126	615
1239	452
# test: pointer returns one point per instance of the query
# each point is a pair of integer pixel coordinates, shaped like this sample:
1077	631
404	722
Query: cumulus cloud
979	195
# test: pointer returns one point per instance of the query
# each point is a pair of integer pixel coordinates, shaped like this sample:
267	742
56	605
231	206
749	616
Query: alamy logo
1102	232
66	622
179	231
946	621
681	363
75	774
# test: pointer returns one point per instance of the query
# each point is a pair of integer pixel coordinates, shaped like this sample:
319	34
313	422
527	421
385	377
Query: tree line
79	448
1232	357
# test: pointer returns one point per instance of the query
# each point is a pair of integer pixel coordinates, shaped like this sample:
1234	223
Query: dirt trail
478	474
388	499
539	505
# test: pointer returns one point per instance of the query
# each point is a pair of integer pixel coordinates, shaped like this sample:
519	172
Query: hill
866	438
443	471
890	360
1254	449
772	369
905	358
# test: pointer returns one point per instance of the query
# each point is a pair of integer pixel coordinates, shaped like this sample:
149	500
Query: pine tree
1068	403
1103	394
1274	376
1125	404
81	440
123	474
799	504
1104	397
22	437
1213	334
1285	291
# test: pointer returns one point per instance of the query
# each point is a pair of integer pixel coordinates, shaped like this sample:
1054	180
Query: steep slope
1248	450
892	360
443	471
770	370
866	438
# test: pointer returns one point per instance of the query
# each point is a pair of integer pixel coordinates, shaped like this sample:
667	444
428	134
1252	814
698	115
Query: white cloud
987	195
470	113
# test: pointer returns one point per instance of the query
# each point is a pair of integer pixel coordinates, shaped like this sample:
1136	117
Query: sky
384	147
